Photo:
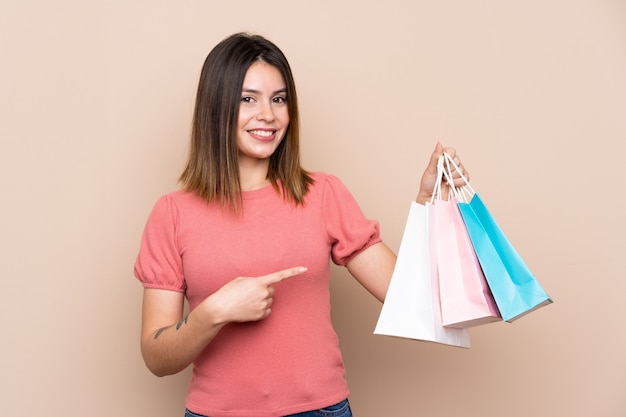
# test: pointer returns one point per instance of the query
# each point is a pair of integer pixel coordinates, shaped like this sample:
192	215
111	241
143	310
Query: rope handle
436	195
463	193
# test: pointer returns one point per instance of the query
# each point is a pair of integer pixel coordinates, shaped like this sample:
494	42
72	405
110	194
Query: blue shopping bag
514	287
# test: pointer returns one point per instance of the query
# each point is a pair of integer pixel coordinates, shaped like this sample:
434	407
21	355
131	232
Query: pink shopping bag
465	297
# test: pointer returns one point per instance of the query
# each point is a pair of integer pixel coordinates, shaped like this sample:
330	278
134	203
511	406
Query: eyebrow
253	91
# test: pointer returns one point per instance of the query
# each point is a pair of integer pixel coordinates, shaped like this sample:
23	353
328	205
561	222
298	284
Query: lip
263	135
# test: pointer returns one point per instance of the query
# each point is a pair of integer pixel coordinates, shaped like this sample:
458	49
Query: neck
253	176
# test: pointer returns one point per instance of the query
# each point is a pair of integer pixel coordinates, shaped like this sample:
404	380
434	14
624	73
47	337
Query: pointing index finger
278	276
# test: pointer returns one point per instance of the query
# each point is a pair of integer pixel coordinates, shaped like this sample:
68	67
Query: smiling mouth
262	133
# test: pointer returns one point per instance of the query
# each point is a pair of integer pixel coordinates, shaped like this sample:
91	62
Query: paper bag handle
436	195
463	193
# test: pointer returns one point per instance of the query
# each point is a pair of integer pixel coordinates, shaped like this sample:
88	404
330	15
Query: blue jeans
341	409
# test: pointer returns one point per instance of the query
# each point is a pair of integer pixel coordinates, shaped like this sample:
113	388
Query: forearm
171	341
170	349
373	269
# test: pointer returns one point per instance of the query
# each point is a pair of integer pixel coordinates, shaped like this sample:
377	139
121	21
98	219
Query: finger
461	172
434	157
271	291
276	277
460	177
456	162
451	153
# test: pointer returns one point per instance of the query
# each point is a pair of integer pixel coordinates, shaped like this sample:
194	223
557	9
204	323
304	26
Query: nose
266	112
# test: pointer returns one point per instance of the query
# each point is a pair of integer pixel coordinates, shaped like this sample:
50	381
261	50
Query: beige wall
95	105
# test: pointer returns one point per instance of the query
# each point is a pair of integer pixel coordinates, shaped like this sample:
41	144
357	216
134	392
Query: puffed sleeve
349	230
159	264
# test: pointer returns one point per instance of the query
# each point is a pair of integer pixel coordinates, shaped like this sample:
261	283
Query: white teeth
265	133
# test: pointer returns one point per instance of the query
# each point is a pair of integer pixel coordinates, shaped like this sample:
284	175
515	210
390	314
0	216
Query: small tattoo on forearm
161	330
178	326
182	321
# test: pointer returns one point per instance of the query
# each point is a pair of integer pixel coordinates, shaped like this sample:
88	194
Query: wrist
422	198
209	315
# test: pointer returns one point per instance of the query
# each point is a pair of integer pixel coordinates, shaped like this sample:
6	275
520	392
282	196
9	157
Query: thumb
276	277
434	157
430	176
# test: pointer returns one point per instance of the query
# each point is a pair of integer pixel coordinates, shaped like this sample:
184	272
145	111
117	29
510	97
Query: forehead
263	76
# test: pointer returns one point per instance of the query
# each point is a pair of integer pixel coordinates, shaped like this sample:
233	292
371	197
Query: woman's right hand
246	299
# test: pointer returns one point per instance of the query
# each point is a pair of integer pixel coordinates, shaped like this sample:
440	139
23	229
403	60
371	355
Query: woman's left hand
429	178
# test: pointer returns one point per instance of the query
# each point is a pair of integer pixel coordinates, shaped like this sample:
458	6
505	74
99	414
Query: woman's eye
280	99
246	99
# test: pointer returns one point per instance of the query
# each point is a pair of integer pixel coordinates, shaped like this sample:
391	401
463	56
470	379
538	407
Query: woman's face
263	113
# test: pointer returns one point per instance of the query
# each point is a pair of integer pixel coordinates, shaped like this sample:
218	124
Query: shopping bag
465	297
514	287
411	308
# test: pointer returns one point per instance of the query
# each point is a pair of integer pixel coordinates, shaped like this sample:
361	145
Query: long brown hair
212	169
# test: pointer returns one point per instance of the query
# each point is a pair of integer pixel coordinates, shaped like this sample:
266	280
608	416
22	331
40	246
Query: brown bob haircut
212	169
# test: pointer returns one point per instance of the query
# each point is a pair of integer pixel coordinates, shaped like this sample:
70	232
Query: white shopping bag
412	308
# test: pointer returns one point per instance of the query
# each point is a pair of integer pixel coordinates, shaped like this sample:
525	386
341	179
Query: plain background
96	101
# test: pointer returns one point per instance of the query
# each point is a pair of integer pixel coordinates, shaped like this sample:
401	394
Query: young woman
248	241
